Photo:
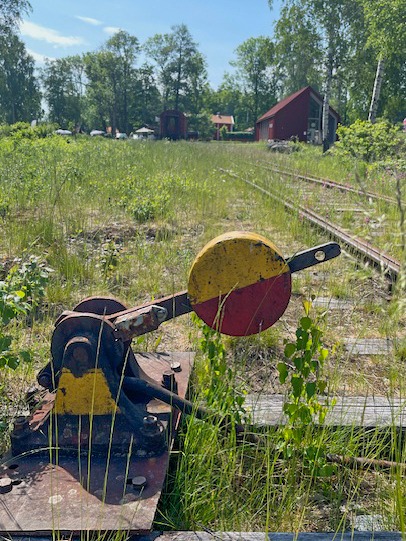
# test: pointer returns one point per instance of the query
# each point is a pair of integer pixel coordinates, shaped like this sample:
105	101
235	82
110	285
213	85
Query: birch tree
330	22
298	50
386	20
11	12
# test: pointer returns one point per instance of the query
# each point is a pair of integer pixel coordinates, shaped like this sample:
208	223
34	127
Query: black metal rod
140	386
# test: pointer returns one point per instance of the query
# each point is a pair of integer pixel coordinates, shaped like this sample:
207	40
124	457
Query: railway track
360	247
327	183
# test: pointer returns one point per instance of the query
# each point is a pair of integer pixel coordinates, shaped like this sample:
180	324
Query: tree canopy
338	47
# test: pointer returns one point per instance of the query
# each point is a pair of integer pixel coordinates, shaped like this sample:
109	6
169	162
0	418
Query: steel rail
326	183
385	262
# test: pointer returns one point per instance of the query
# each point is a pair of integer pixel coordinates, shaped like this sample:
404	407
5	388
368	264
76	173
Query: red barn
299	115
173	125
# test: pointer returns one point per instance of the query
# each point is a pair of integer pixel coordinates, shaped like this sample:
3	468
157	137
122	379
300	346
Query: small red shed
299	115
173	124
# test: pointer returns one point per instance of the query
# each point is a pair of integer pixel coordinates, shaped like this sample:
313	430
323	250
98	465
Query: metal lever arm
139	386
179	304
313	256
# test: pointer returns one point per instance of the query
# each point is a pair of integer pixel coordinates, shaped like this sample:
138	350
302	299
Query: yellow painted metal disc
239	283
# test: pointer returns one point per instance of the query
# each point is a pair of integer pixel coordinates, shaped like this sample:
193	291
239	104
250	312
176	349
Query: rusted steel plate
349	535
273	536
74	494
239	283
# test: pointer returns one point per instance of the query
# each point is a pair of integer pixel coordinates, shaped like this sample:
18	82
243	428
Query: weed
109	258
302	370
20	292
219	389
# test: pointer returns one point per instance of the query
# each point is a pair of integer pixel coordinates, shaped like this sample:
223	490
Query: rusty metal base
76	494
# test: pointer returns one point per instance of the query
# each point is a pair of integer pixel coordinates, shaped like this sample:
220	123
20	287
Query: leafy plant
109	258
21	130
368	142
219	390
31	277
302	371
20	292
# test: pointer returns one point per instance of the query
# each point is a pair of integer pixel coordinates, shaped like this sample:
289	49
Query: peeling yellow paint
88	394
232	261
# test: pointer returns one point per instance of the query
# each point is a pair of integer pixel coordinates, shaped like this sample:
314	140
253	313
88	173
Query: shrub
368	142
25	130
20	292
239	136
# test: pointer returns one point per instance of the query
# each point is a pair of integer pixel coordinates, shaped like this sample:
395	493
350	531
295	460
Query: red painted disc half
239	284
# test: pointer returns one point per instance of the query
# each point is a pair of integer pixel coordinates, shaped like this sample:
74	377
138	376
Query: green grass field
126	219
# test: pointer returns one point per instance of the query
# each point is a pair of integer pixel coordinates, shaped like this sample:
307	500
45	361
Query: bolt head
150	422
138	482
5	485
176	366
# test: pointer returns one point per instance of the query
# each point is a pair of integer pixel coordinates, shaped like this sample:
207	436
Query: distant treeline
339	47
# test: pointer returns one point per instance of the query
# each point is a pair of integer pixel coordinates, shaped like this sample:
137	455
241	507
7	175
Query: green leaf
290	349
25	356
5	342
307	306
12	361
323	354
283	372
306	323
327	470
298	362
322	386
297	385
311	389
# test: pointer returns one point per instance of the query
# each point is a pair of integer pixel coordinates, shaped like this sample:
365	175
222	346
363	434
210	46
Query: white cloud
111	30
89	20
38	57
49	35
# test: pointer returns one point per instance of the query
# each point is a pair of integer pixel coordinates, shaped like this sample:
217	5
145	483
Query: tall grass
126	219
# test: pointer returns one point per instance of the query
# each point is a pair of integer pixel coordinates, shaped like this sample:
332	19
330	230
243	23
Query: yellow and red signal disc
239	284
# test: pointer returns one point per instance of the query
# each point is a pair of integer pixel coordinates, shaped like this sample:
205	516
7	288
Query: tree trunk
178	80
380	70
326	101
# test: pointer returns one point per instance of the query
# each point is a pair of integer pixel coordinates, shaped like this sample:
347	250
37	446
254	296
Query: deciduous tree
386	20
64	85
298	51
11	12
254	63
181	67
20	99
111	79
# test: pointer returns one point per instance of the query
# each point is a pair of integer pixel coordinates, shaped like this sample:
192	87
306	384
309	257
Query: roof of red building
280	105
222	119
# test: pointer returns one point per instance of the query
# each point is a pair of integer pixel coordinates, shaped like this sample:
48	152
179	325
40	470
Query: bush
25	130
239	136
369	142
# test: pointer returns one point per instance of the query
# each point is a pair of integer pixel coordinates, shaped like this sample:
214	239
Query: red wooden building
299	115
222	120
173	125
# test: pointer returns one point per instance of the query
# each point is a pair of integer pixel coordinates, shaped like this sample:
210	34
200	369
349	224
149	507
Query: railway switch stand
93	451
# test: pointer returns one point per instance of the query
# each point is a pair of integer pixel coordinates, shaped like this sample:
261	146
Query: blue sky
61	28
